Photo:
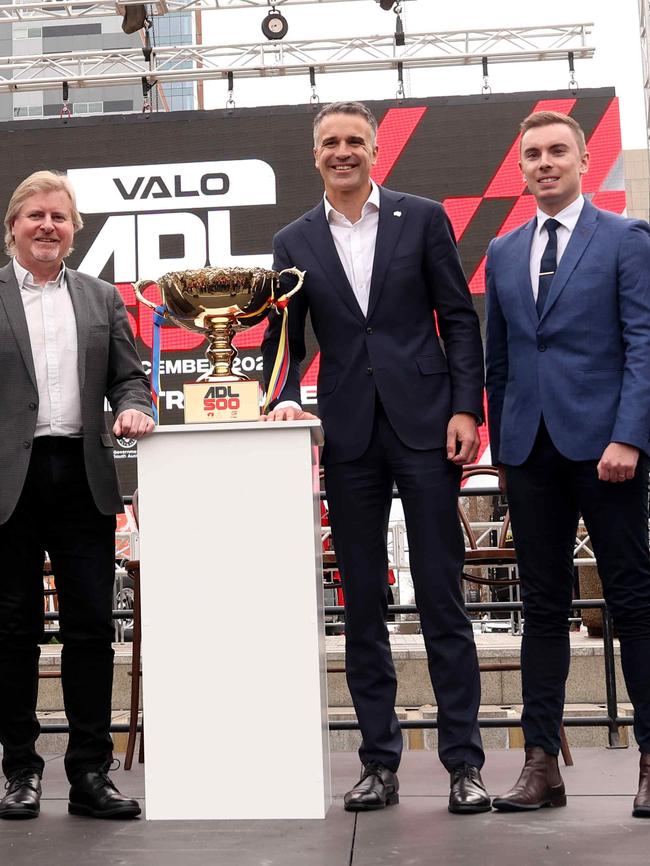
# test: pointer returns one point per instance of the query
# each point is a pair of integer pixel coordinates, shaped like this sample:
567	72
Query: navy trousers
546	495
359	495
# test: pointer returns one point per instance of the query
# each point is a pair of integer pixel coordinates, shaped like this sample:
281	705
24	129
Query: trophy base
211	402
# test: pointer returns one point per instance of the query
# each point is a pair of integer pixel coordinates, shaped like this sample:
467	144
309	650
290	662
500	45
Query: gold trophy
216	302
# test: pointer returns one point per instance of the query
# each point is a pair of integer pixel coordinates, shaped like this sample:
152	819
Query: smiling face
345	154
553	165
43	232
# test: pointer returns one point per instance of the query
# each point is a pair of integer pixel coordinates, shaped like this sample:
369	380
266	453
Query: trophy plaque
216	302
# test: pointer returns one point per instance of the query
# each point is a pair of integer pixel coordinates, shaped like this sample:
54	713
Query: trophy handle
296	273
142	284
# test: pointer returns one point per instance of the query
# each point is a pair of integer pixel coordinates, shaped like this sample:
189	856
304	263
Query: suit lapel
580	238
521	254
319	237
80	306
15	310
391	222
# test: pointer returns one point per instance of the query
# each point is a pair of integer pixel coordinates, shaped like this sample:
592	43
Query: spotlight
275	25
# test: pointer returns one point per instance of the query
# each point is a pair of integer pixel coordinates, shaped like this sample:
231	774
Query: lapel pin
397	213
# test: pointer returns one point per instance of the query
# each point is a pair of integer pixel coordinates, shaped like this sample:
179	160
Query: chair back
477	553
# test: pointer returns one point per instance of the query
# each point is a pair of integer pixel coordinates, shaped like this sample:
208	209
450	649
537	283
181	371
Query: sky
615	37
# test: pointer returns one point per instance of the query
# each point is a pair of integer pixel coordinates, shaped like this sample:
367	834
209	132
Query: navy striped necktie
548	265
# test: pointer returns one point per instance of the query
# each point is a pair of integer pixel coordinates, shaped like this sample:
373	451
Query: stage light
275	25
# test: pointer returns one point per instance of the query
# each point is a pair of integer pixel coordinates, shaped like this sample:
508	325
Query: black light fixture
275	25
387	5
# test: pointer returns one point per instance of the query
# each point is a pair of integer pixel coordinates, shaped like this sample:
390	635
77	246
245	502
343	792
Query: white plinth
233	648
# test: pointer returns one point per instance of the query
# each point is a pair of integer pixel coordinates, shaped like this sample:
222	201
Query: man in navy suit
396	408
568	377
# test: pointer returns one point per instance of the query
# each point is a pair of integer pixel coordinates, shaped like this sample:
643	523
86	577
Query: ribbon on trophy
280	370
158	320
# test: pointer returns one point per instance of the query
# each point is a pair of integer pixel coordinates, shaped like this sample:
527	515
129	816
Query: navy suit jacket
585	364
395	349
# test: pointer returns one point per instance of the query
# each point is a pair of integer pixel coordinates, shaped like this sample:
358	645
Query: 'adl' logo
220	397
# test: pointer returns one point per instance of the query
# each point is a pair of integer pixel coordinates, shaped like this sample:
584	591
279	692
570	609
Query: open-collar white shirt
355	243
52	327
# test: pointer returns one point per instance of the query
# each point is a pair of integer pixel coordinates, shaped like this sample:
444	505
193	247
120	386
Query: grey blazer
108	366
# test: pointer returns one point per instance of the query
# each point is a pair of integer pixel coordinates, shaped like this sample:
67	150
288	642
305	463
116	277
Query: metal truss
57	10
282	58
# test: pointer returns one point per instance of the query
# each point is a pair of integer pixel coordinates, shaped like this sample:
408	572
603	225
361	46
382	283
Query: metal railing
612	720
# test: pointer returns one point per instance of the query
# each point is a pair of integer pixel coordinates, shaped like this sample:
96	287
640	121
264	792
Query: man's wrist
471	415
286	404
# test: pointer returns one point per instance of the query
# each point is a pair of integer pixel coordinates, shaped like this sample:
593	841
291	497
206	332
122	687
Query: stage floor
595	828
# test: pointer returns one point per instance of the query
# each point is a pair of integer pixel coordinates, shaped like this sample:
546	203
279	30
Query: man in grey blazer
65	346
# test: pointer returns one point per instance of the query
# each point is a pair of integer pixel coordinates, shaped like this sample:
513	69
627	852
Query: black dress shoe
23	797
467	794
94	794
377	788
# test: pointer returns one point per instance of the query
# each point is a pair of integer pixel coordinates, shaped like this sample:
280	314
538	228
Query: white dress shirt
355	244
52	330
567	219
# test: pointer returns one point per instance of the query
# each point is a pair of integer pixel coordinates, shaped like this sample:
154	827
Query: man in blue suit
568	378
396	408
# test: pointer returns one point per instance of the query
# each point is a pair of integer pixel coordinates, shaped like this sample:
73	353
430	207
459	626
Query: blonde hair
39	181
546	118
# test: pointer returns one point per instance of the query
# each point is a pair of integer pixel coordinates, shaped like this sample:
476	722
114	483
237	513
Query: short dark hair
546	118
357	108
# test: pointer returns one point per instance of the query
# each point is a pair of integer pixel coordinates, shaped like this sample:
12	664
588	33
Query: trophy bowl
193	296
217	302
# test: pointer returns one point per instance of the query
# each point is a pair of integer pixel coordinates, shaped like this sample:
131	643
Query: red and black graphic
187	189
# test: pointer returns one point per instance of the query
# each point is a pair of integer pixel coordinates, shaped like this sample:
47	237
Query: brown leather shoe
642	800
377	788
539	784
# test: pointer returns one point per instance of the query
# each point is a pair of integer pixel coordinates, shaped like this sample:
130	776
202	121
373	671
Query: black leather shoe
377	788
467	794
94	794
23	797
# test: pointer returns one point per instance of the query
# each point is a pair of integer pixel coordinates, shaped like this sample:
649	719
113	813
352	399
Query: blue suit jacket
395	349
585	364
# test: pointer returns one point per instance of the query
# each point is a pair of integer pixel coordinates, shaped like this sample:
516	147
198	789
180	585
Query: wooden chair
489	557
50	604
132	568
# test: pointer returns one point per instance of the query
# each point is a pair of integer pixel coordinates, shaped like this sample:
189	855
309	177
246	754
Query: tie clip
546	273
